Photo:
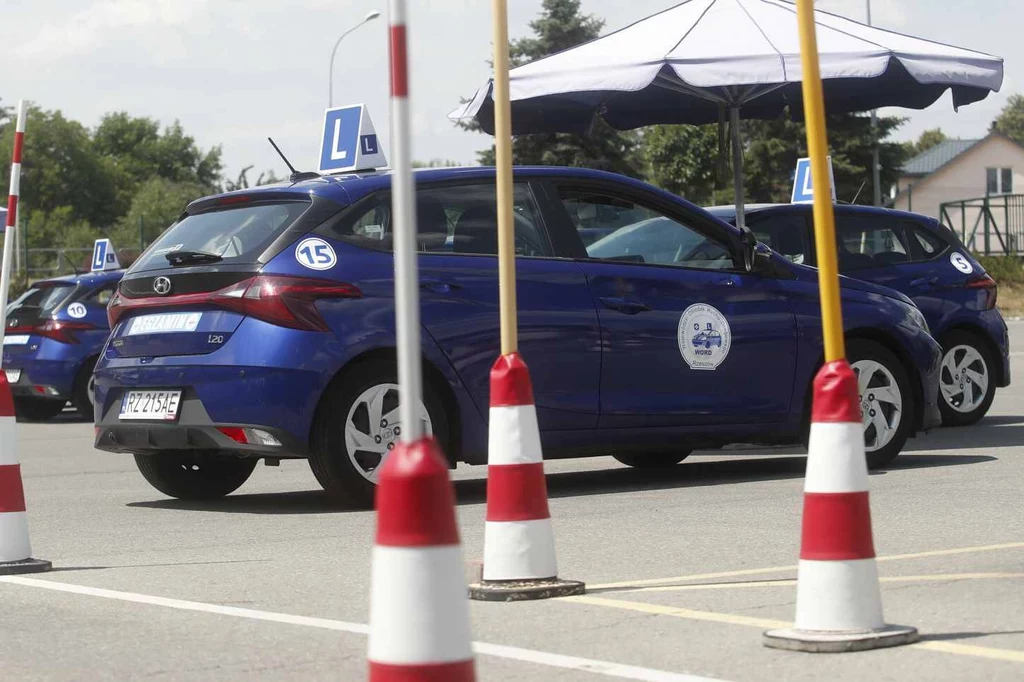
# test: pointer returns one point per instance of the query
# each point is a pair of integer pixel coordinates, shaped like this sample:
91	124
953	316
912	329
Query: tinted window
785	234
235	234
101	296
929	244
54	296
866	242
614	228
460	219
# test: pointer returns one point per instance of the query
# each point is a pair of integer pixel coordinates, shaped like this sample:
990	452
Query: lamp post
330	84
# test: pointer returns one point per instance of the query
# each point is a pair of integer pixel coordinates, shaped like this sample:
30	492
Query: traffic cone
15	549
519	544
419	619
838	599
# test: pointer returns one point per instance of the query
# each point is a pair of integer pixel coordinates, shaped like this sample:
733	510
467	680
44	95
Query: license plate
16	340
164	323
153	405
13	375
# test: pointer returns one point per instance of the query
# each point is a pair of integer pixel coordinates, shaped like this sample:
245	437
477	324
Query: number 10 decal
315	254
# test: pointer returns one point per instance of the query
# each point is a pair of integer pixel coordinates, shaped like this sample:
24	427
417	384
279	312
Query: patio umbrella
696	61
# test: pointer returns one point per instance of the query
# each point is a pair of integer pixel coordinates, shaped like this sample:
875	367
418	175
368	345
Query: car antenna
858	192
296	175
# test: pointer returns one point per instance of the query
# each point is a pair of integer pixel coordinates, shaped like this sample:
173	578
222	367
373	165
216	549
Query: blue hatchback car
926	261
261	325
55	332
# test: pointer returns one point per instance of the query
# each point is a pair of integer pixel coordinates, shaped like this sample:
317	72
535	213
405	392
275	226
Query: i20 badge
704	336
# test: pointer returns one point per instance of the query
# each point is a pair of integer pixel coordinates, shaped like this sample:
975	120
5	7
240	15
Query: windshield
236	235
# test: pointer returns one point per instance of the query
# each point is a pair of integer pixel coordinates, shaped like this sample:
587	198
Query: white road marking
608	669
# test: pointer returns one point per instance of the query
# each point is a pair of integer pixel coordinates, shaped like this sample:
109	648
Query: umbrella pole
737	166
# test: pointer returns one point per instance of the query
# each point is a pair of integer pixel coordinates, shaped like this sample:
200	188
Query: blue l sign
803	186
99	254
341	137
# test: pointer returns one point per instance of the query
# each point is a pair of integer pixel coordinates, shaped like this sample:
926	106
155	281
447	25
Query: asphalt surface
271	583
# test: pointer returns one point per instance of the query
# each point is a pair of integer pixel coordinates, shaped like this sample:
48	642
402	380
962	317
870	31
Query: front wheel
195	475
886	400
358	425
966	385
660	460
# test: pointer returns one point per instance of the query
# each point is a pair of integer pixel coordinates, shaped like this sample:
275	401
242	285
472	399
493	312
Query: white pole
737	165
403	191
876	171
12	215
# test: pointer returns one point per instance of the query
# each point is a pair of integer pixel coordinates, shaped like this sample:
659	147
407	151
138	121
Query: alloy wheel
964	378
881	403
373	428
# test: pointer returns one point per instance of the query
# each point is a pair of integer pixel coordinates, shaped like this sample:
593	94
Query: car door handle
924	282
438	286
624	305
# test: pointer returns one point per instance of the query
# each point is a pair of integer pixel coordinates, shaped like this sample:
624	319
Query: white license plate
16	340
164	323
13	375
153	404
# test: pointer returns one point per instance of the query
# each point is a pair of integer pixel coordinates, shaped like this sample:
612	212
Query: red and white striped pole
838	598
15	548
419	616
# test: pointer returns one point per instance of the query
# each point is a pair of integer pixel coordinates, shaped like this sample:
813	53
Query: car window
865	242
784	234
928	243
101	296
614	228
457	219
53	296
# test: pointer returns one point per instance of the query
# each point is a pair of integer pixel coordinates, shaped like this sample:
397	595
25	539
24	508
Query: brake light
235	433
62	331
281	300
990	287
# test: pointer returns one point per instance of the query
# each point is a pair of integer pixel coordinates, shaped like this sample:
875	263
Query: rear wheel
38	409
197	475
660	460
358	425
886	400
83	391
966	385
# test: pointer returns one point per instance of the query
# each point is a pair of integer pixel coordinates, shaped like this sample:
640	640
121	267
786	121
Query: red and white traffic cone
519	544
838	600
15	548
419	618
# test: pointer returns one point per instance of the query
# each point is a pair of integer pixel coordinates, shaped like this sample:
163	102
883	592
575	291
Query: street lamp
330	85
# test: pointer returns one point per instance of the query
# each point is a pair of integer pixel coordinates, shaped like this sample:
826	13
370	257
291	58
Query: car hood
847	282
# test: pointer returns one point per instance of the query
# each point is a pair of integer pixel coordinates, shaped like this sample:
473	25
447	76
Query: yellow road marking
767	623
776	569
938	577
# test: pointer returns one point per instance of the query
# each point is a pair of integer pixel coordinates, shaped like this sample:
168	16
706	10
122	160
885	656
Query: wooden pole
503	163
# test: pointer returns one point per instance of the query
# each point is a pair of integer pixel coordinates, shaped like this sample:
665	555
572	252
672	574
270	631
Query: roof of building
931	160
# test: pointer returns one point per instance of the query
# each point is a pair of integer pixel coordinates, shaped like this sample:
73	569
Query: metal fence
992	225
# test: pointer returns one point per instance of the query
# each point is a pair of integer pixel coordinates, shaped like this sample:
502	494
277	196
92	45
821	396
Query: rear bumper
43	378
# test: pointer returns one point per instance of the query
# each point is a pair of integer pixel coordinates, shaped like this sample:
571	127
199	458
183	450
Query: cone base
524	590
25	566
834	642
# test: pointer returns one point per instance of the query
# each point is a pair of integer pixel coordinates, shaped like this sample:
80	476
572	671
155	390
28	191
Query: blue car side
292	353
54	335
928	262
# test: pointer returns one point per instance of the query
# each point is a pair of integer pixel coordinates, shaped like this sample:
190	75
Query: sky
234	72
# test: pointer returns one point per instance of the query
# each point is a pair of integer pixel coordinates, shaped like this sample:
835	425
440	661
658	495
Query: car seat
477	230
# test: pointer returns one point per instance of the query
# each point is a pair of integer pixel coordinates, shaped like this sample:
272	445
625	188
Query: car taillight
281	300
62	331
989	285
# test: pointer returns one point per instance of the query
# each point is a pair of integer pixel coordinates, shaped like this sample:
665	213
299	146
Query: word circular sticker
704	336
315	254
961	263
77	310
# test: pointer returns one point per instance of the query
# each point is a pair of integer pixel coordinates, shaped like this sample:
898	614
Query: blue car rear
261	326
918	256
54	335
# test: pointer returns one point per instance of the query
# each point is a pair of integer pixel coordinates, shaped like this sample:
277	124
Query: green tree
927	140
1010	121
682	159
560	26
157	204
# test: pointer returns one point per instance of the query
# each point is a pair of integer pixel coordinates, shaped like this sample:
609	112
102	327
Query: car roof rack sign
349	142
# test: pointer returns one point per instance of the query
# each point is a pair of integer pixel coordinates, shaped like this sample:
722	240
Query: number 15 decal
315	254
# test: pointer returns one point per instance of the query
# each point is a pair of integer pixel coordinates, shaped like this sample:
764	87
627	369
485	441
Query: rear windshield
237	235
46	298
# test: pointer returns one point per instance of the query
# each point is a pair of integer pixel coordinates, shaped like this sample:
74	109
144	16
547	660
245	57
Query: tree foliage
1010	121
926	141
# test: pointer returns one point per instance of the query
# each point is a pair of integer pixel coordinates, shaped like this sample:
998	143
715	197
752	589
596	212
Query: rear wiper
191	257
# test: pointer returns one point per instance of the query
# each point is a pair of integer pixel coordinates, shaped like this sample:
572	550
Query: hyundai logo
162	285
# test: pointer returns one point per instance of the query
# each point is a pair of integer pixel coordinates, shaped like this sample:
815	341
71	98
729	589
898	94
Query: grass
1011	300
1008	272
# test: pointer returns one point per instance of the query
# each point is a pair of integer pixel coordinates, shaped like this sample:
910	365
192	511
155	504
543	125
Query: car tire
195	474
38	409
81	395
964	350
348	476
659	460
887	372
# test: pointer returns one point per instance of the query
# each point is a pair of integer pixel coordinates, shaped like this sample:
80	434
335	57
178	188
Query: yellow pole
503	163
824	218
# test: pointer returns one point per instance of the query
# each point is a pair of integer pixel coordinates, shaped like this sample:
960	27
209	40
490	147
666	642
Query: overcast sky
235	71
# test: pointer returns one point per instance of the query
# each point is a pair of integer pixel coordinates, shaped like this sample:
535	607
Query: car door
689	338
559	337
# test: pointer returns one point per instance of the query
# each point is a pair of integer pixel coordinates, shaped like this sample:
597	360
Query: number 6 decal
316	254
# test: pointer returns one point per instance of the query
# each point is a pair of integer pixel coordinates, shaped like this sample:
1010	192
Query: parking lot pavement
685	568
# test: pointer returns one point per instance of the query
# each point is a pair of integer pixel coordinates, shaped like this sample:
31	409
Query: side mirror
749	249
